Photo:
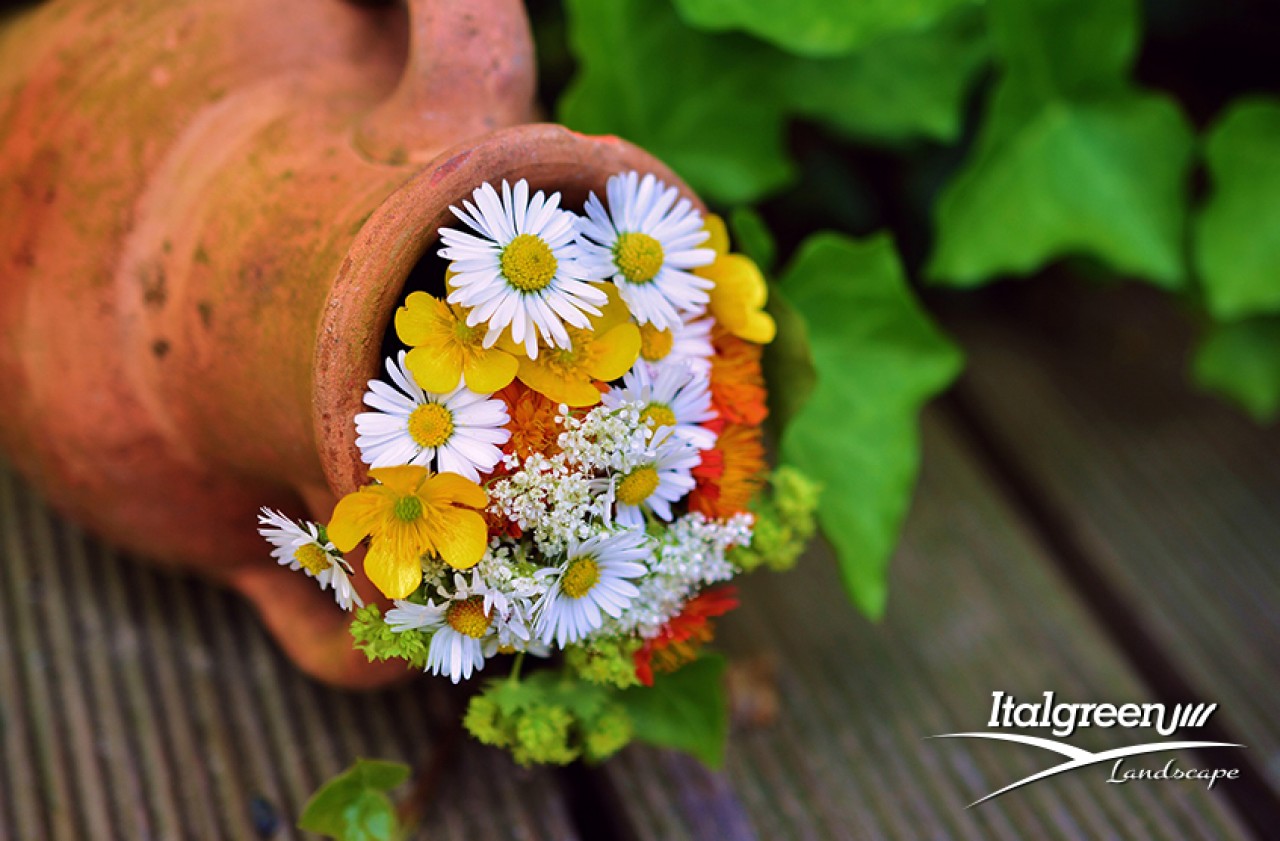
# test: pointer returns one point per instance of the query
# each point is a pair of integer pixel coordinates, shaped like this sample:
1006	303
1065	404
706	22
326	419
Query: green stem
514	677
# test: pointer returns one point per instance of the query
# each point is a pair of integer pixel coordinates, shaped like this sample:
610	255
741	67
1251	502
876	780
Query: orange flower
533	421
738	459
737	382
678	641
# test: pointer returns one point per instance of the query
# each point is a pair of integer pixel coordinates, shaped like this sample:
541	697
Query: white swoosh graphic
1077	757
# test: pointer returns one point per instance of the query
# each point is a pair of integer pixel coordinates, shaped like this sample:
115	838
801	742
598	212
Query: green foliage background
986	139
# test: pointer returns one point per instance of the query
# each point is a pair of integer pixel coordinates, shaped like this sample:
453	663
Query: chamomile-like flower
463	626
670	396
457	432
519	271
594	579
659	479
688	343
306	547
646	242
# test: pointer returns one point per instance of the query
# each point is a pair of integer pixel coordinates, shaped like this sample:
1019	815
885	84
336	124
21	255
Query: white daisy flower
463	626
521	271
687	344
304	546
593	579
646	242
660	479
668	396
459	432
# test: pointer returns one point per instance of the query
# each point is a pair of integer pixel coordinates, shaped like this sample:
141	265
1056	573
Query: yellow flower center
660	415
468	618
571	362
638	485
408	508
313	559
468	336
638	256
431	425
528	264
580	576
655	344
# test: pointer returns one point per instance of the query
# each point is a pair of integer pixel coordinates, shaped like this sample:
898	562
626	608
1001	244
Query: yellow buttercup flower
446	349
738	298
604	353
411	512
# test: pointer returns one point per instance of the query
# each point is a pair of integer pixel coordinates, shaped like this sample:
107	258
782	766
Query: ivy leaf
753	237
788	362
1237	234
1105	178
815	27
354	806
905	85
685	710
878	358
706	105
1241	361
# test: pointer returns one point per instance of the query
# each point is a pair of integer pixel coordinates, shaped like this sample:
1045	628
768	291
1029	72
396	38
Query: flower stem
514	677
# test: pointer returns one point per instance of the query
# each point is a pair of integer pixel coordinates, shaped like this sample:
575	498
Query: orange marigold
678	641
737	381
533	421
731	473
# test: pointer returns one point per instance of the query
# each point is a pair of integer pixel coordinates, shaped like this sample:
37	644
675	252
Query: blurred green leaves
715	106
1071	159
878	358
354	805
685	709
1241	361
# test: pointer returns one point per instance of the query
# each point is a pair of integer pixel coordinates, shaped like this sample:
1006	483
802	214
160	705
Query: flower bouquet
566	460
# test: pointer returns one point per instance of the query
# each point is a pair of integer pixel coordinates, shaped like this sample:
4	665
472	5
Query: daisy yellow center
580	576
431	425
468	618
408	508
638	485
528	264
655	344
638	256
312	558
660	415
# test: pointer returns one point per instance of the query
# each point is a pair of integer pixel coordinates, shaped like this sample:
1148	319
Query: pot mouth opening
395	253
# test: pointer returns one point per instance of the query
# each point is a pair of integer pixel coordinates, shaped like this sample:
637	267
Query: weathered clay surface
207	213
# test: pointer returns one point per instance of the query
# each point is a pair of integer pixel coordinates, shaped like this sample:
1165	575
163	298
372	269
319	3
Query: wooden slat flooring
136	705
976	606
1172	497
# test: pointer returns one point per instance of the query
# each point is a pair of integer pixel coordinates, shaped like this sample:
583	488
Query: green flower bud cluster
784	522
378	641
549	718
605	662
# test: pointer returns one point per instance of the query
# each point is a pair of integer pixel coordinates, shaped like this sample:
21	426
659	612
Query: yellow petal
719	239
616	351
759	328
393	566
355	516
613	313
421	317
436	368
460	537
404	479
489	371
576	392
445	488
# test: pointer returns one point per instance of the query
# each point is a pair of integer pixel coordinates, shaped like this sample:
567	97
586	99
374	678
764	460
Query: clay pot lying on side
209	211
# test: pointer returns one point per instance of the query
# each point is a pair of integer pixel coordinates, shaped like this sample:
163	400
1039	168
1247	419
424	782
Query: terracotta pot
207	215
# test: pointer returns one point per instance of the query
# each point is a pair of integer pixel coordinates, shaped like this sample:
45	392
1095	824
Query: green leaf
1241	361
684	710
1237	234
905	85
815	27
878	358
354	806
753	237
1105	178
704	104
788	362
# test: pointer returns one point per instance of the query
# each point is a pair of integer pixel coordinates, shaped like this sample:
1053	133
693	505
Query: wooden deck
1085	524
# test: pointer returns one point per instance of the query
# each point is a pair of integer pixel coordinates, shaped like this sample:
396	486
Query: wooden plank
135	704
1173	497
976	606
